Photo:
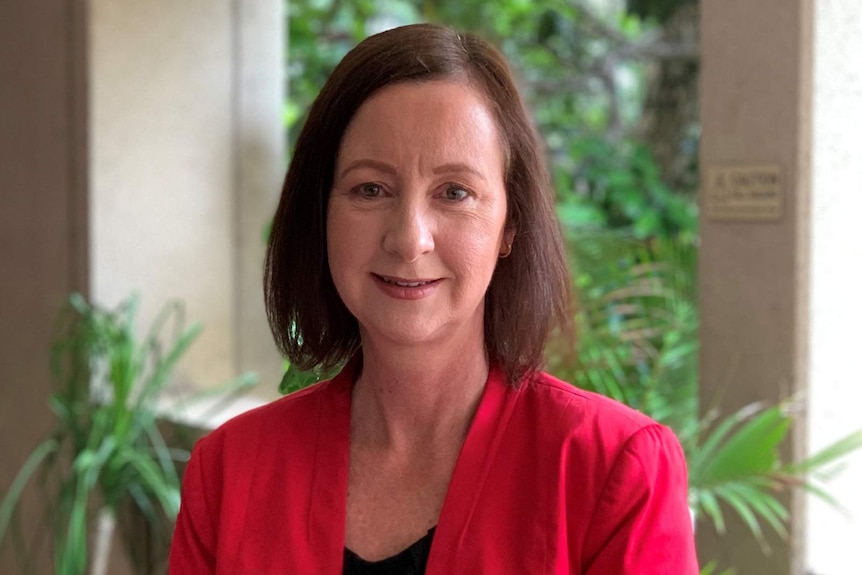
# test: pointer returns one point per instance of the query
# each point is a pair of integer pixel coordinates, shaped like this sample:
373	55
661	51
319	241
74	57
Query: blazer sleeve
642	524
194	540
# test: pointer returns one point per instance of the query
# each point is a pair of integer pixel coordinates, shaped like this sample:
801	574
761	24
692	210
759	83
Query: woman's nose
409	233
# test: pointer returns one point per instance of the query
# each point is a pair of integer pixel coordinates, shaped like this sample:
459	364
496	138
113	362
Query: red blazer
550	480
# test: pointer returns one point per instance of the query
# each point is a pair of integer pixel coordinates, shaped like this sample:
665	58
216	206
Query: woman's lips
405	288
401	282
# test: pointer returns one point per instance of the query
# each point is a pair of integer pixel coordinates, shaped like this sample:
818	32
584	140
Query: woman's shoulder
571	407
627	473
588	425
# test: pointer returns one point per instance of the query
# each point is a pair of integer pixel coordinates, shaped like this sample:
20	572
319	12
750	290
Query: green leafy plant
106	450
737	463
712	569
637	325
295	379
617	185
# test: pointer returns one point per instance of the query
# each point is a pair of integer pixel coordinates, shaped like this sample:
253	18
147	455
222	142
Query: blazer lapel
327	507
471	471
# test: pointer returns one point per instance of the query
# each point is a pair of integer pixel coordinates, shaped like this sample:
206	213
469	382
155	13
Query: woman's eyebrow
453	167
368	163
458	167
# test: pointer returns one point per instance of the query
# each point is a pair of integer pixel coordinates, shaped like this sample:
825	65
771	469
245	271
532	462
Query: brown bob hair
529	292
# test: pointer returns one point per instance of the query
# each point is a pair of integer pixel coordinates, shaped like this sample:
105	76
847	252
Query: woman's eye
370	190
455	193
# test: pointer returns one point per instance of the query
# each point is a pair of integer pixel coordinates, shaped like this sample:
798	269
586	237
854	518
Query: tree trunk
669	124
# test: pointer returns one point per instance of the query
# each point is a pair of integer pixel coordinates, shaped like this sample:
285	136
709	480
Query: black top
411	561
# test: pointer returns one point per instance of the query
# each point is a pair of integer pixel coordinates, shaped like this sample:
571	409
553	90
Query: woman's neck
419	396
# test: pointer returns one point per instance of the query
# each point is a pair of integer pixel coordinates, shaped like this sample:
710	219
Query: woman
416	242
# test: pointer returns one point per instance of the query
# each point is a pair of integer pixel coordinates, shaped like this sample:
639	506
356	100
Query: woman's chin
408	331
405	334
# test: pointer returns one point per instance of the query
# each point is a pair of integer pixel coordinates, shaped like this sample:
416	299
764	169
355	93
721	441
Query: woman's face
416	217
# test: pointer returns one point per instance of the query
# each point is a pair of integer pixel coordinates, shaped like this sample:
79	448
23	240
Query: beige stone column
756	116
186	165
260	155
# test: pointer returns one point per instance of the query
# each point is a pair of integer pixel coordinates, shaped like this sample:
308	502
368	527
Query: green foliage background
584	72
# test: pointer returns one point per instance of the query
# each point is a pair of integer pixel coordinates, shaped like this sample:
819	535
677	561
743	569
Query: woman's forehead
440	121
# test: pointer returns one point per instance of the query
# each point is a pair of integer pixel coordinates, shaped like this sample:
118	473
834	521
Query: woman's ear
508	240
509	234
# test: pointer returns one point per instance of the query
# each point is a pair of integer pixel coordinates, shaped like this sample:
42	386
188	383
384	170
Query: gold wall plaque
744	193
